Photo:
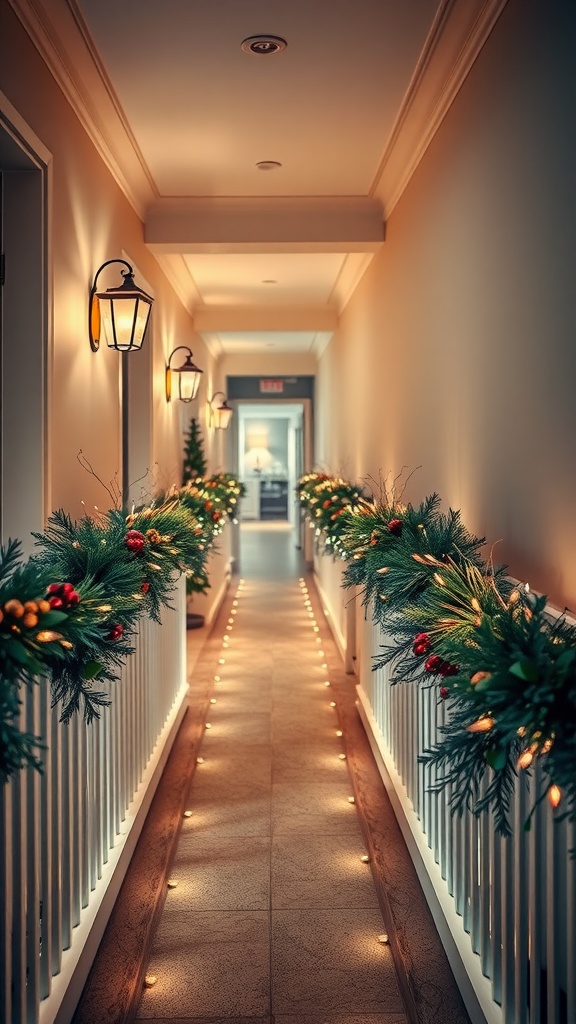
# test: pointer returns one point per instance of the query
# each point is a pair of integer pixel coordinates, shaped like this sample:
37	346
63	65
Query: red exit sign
272	386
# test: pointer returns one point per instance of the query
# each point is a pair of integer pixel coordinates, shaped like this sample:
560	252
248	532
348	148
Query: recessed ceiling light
263	46
269	280
268	165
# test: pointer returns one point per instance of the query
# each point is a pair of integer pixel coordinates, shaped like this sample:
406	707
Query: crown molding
352	271
455	40
59	33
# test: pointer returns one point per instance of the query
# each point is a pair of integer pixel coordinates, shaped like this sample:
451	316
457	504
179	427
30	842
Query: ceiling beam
338	224
216	319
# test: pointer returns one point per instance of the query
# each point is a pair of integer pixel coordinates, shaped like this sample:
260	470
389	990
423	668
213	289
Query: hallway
274	916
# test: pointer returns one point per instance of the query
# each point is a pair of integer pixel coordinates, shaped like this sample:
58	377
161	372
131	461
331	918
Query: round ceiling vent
262	46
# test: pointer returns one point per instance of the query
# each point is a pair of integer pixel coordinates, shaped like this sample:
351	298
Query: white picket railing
505	908
67	836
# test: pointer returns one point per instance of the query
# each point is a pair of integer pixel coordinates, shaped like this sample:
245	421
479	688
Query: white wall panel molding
64	44
456	38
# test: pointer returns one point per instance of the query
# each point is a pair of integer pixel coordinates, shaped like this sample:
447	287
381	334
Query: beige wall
456	353
92	221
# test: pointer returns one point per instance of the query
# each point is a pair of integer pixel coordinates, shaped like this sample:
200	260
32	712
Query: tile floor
275	918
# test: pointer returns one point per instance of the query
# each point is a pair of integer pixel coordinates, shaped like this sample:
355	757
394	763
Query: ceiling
183	115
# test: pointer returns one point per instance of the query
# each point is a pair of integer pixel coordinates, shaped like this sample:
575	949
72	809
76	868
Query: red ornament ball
145	587
444	692
395	527
422	644
134	541
433	663
116	632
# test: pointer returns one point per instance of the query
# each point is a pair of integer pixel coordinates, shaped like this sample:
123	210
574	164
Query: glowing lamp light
219	415
187	814
213	700
383	939
150	980
188	376
365	858
199	760
351	800
171	883
122	312
342	757
332	703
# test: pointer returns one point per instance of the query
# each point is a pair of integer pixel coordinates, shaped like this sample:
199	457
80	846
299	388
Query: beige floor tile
249	768
232	874
313	808
308	762
242	814
331	960
320	872
209	965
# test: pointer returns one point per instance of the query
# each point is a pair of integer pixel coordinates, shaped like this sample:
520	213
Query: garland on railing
506	666
70	611
325	499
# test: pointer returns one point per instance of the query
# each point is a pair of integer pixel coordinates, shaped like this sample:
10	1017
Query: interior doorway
270	457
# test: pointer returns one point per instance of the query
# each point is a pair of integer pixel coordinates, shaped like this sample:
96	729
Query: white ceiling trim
455	40
458	34
353	269
64	44
265	225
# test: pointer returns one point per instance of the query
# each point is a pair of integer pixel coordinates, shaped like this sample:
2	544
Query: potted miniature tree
194	467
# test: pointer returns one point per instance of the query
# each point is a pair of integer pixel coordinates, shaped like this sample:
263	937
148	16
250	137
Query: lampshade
188	377
258	459
123	313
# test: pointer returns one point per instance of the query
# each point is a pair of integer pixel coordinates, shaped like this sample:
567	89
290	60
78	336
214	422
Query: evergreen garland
326	501
506	667
70	613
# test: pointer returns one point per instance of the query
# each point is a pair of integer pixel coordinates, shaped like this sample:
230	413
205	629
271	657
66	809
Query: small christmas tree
194	459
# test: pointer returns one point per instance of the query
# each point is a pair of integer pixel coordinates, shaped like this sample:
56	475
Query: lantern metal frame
128	289
214	419
187	367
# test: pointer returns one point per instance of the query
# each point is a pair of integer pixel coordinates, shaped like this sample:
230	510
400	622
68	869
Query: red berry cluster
116	632
444	692
145	587
135	541
395	526
62	596
422	644
443	668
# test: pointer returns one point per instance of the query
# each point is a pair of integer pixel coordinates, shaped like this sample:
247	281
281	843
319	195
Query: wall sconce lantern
189	377
123	312
220	415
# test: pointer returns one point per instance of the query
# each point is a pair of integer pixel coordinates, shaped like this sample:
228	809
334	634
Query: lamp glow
365	858
150	980
199	760
219	415
171	883
187	814
383	939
